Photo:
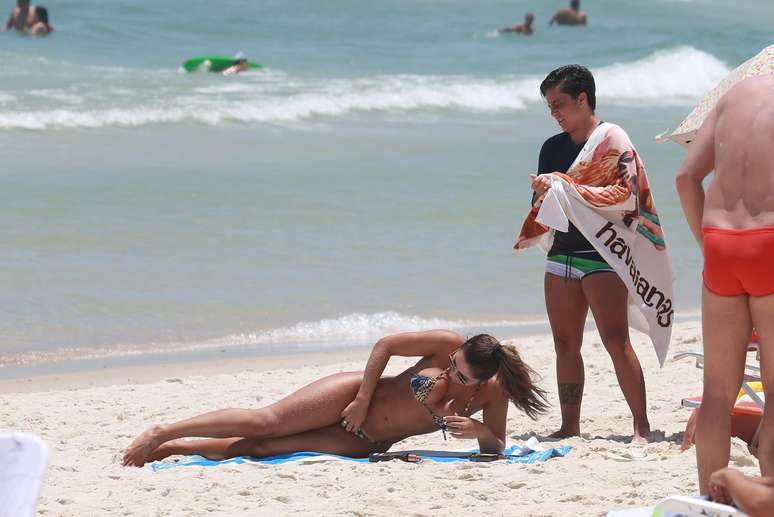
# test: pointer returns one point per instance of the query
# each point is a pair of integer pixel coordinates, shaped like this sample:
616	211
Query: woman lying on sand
357	413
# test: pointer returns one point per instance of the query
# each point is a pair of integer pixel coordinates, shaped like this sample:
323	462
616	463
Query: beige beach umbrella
761	64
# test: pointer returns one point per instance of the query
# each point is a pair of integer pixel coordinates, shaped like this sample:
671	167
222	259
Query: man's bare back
741	194
569	17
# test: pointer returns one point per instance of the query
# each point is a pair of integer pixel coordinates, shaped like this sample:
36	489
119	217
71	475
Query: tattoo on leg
570	393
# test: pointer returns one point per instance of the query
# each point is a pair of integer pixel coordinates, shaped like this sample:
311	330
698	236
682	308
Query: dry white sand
87	429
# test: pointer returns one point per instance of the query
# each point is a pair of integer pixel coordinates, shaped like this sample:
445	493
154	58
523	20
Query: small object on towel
388	456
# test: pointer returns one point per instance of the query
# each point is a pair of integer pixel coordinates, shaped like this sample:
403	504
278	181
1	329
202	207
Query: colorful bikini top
422	385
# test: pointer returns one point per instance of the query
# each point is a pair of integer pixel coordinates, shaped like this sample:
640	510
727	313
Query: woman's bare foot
140	449
640	440
641	433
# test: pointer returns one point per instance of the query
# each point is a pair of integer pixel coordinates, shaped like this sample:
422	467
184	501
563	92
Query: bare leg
211	448
567	309
762	310
607	296
726	328
314	406
332	440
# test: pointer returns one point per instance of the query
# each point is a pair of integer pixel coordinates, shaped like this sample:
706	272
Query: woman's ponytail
518	381
488	357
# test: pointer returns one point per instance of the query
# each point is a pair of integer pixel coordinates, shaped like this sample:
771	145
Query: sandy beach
177	240
87	419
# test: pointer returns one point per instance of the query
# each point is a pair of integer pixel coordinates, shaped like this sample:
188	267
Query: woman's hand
463	426
354	415
540	184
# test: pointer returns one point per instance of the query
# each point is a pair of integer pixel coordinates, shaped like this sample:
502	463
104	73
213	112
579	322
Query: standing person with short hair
577	277
733	221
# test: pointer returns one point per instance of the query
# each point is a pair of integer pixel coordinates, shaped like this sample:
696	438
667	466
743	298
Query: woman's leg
332	440
608	297
567	309
314	406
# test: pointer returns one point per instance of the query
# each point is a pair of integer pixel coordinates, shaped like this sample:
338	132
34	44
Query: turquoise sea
370	179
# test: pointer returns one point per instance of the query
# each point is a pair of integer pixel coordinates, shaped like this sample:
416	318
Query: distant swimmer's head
39	15
239	64
483	357
570	93
575	5
529	18
240	59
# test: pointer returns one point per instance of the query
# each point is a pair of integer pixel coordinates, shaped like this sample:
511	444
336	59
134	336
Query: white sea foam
58	96
357	329
358	326
674	76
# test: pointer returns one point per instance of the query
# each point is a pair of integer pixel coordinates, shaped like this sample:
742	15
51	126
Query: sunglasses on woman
461	376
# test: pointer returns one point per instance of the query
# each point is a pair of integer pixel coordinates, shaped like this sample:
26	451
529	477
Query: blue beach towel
515	454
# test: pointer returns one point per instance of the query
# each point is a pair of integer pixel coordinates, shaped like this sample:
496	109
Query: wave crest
676	76
357	329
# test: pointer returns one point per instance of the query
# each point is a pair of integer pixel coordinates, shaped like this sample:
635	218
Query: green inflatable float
213	63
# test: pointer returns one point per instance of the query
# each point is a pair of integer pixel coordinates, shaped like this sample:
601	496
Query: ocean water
370	179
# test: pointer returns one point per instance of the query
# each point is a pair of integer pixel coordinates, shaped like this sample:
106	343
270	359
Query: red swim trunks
739	262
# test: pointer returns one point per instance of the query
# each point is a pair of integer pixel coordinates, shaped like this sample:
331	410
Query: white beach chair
752	373
23	461
679	506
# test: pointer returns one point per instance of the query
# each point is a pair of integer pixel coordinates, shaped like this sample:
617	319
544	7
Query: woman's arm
409	344
492	437
491	432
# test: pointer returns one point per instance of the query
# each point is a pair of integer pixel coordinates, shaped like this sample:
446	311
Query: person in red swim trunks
734	224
